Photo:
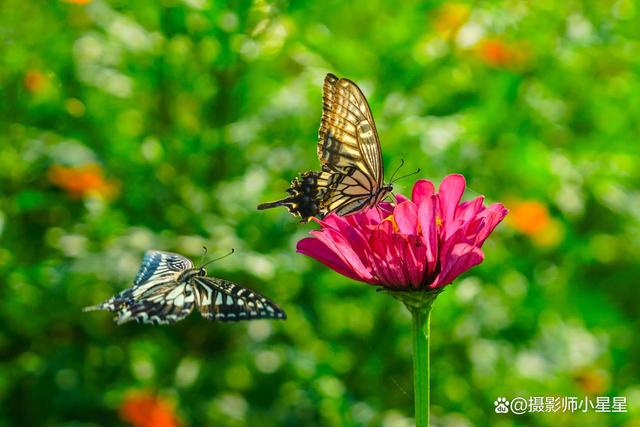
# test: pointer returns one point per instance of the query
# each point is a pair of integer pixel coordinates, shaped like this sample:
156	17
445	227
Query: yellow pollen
392	220
438	221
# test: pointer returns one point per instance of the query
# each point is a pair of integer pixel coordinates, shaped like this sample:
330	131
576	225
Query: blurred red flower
144	409
498	53
82	181
418	244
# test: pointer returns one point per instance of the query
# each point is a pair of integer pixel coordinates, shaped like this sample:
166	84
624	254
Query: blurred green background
127	126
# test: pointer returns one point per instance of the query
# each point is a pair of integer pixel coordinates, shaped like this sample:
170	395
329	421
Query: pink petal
413	259
332	220
450	192
422	189
400	198
427	211
343	250
468	210
461	258
387	260
317	250
493	215
406	216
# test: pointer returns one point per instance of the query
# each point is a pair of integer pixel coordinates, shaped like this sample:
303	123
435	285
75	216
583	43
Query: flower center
392	220
438	221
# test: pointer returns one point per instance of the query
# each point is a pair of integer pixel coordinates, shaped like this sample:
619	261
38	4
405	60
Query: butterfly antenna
407	175
219	258
397	169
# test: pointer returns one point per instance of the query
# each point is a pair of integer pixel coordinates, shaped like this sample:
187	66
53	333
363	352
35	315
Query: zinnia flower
418	244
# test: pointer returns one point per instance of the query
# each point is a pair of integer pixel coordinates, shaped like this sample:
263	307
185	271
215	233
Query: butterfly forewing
226	301
349	152
347	135
158	264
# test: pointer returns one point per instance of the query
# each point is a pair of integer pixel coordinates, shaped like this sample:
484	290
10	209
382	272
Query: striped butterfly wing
160	304
219	299
344	192
159	265
347	138
349	151
156	295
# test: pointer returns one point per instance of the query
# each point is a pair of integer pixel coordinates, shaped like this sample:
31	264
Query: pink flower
418	244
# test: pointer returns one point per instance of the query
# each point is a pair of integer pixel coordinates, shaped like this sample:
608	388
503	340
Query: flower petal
406	216
422	190
414	259
387	260
343	250
468	210
449	193
427	211
318	250
399	199
493	215
461	258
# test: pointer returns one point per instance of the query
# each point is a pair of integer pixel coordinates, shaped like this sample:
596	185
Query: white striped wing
226	301
159	266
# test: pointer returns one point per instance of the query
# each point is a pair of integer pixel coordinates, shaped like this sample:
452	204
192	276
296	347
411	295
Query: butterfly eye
202	272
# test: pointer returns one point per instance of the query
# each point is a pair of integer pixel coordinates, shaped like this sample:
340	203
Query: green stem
419	303
421	322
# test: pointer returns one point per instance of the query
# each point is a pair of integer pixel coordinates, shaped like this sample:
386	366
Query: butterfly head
202	271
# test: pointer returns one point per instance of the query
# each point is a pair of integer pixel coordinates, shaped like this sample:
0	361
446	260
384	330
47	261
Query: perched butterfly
168	286
349	151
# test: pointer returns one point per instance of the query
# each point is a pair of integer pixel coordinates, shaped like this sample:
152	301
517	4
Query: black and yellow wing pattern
348	148
168	287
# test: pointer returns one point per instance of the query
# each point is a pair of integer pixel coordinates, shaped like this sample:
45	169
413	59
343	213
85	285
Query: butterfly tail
112	304
93	308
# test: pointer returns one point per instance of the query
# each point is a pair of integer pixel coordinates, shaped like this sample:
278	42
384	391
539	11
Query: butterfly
349	151
168	286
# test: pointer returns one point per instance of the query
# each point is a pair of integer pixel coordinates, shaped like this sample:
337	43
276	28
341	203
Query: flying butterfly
168	286
349	151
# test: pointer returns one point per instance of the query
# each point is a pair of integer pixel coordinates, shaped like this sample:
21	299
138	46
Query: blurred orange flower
501	54
531	217
145	409
85	180
78	1
449	17
34	81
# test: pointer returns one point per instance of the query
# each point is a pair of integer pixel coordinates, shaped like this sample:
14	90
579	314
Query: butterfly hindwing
222	300
161	304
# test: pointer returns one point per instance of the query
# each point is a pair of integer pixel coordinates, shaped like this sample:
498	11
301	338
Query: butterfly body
348	148
168	287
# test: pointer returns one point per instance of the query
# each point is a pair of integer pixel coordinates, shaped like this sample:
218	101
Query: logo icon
502	405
